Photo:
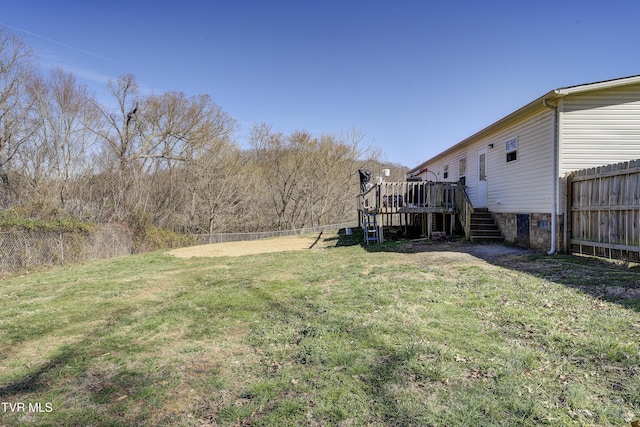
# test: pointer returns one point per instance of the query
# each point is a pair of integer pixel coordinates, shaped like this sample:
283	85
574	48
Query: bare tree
219	190
281	163
310	180
332	179
57	154
16	124
174	128
178	136
118	133
152	143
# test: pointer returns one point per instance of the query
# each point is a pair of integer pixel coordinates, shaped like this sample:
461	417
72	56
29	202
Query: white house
514	167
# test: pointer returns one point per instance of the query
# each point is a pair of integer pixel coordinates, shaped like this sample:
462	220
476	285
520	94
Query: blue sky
414	76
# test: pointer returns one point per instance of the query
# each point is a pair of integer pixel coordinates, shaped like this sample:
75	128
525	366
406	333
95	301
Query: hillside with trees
170	160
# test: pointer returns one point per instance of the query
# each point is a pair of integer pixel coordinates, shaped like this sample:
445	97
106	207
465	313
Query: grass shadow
612	281
110	395
350	237
355	237
603	279
606	280
32	382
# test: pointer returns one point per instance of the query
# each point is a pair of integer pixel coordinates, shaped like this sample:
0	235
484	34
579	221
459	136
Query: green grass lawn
404	336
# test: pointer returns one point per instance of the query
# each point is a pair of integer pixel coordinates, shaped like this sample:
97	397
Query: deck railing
418	198
409	197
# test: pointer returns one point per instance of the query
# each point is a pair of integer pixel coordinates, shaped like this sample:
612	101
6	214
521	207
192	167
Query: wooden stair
484	228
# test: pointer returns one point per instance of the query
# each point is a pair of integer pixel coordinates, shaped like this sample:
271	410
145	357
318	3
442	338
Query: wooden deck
409	197
416	199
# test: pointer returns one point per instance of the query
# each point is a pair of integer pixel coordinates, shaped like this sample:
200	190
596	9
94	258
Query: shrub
23	219
147	237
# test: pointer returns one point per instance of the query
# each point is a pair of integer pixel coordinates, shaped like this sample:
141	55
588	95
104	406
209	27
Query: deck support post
453	222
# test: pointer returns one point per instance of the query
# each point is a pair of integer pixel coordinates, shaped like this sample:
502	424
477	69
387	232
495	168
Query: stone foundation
529	230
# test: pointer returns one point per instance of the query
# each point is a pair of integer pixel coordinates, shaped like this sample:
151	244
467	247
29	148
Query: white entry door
481	195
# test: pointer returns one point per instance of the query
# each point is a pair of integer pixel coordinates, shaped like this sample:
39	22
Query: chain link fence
28	249
205	239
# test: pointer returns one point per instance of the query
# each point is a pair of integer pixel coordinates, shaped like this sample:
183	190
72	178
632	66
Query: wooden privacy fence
603	211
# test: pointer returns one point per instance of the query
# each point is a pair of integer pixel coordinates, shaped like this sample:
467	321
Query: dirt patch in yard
436	252
457	251
253	247
593	276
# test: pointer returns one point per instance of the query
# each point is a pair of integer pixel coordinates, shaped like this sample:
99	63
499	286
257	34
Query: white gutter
554	186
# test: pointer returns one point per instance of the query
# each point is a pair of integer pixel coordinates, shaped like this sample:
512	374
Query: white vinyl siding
438	168
453	160
599	128
522	186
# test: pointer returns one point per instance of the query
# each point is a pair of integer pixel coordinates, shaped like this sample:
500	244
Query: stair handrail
464	208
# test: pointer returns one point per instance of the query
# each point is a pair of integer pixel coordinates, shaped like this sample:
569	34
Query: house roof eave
537	103
549	96
605	84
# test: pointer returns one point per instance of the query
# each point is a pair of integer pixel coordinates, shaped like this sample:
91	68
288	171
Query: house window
446	171
511	147
462	171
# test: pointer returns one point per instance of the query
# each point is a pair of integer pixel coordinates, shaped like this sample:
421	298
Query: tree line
169	158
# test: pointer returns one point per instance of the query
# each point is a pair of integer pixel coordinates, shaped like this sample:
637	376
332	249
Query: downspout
554	186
